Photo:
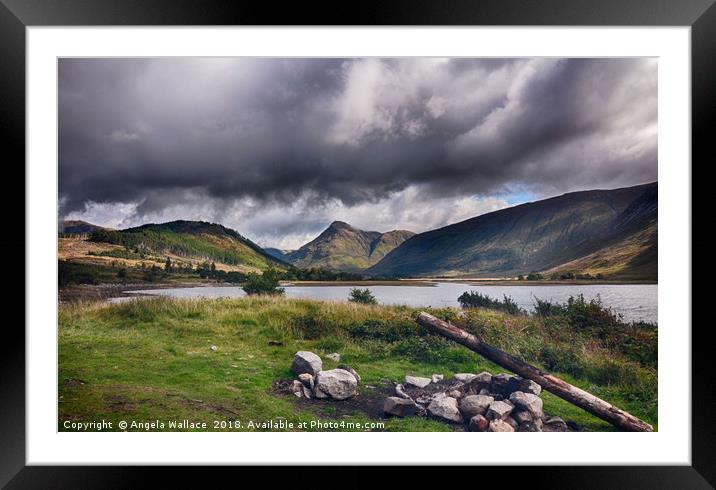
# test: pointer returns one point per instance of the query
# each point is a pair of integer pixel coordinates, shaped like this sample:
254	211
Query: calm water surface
633	301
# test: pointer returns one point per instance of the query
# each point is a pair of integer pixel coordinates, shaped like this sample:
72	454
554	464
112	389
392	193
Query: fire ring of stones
482	402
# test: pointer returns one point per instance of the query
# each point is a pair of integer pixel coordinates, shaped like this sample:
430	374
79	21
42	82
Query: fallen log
561	388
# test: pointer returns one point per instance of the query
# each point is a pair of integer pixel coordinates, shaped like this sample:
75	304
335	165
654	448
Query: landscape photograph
357	244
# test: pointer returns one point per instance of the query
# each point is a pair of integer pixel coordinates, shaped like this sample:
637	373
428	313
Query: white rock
527	401
472	405
337	383
306	362
498	425
213	348
417	381
445	408
499	410
335	357
465	377
346	367
437	378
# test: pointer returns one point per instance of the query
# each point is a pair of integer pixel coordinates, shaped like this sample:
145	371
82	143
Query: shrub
473	299
266	283
363	296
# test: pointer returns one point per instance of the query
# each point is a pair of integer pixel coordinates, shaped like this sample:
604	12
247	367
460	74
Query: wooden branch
561	388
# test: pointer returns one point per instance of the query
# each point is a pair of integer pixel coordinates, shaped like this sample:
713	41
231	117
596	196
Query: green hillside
190	239
609	231
344	248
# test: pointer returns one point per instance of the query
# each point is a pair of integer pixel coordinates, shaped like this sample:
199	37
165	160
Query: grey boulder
518	383
306	362
337	383
346	367
465	377
445	408
499	410
498	425
472	405
417	381
527	401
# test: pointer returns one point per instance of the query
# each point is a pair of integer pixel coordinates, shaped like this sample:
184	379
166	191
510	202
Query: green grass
151	359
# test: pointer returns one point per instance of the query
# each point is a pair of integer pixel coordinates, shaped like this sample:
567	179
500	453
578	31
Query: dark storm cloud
167	132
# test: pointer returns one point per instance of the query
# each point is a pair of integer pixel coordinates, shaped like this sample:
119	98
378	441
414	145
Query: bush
473	299
266	283
363	296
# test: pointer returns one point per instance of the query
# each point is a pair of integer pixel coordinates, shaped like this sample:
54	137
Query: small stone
306	379
346	367
465	377
498	425
484	392
334	356
275	342
445	408
527	401
306	362
400	407
400	391
436	378
455	394
296	388
337	383
478	423
307	392
213	348
518	383
499	410
555	424
417	381
472	405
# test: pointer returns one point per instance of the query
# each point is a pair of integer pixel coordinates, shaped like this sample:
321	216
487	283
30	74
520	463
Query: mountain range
608	232
612	232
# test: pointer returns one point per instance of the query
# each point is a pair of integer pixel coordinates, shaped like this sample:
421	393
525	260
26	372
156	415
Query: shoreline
105	291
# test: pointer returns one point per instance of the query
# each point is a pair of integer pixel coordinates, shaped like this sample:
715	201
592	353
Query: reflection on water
633	301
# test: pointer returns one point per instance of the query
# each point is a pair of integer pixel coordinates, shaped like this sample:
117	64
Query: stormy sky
279	148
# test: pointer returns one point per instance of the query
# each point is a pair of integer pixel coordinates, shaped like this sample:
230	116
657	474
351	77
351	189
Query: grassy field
151	359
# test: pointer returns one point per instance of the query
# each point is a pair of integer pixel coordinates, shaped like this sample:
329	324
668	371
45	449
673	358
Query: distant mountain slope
76	227
191	240
344	248
611	230
277	252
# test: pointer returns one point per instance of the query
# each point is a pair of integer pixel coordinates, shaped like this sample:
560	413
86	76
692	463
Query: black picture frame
16	15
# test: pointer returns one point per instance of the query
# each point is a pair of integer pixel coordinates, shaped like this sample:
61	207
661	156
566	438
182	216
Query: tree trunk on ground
562	389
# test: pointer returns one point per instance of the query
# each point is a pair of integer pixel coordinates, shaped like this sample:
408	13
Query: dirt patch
368	401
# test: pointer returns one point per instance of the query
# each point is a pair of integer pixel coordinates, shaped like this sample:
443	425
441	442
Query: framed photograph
424	235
